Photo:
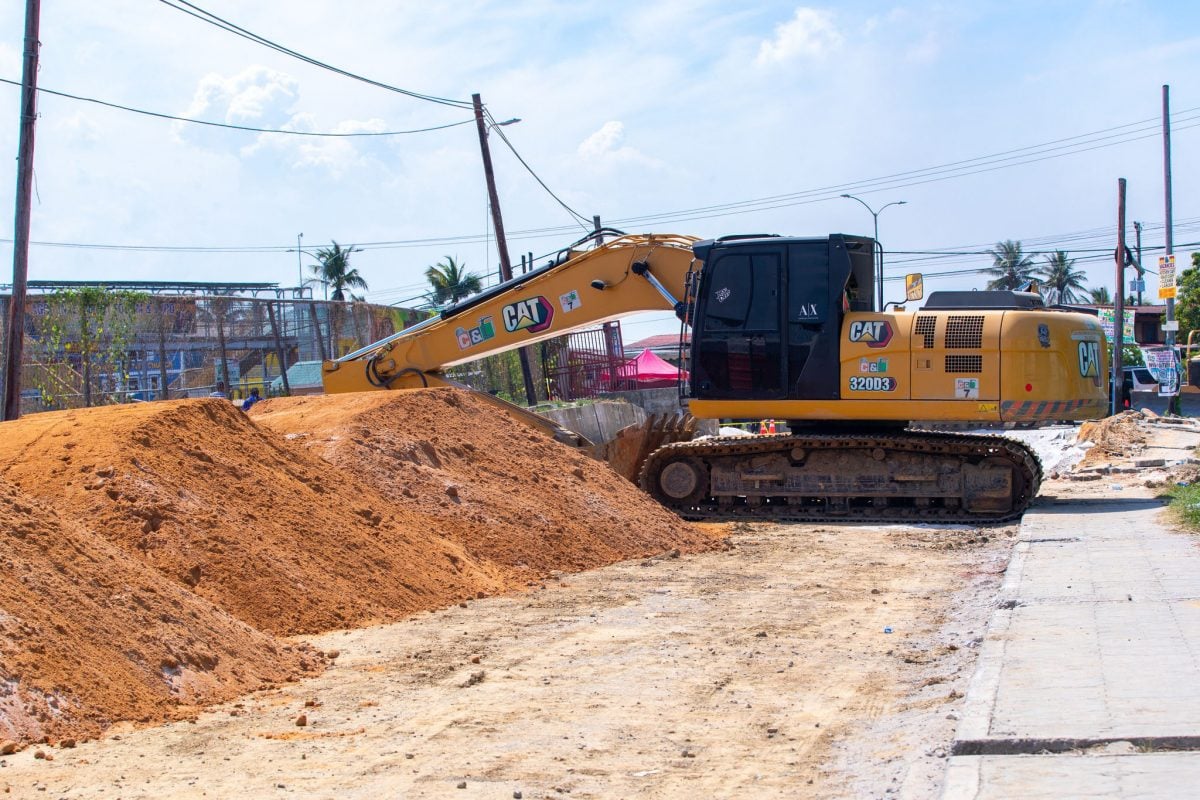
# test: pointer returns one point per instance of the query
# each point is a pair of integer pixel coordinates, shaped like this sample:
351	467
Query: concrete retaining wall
598	421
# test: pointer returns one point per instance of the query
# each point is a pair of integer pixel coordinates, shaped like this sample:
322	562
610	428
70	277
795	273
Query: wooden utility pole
501	242
1118	378
316	321
287	389
16	311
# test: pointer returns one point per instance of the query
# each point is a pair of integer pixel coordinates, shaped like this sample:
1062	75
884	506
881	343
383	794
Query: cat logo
533	315
872	332
1089	359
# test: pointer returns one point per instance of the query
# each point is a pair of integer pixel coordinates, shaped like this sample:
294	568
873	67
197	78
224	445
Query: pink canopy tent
650	371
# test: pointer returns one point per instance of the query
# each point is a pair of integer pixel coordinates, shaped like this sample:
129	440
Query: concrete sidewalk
1088	681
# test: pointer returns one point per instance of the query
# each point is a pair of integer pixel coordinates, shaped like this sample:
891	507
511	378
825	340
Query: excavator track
912	476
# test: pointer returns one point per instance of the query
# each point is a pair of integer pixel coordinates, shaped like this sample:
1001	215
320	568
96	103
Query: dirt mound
89	636
1119	436
152	549
507	492
260	528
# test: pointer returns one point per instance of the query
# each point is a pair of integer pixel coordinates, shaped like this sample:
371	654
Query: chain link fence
94	346
85	348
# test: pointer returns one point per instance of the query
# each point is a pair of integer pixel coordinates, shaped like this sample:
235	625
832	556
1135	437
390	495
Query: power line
223	24
236	127
496	127
669	216
816	196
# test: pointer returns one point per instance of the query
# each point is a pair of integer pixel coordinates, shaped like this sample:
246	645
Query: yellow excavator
785	328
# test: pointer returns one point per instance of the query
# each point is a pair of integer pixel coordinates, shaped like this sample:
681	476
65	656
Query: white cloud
604	147
80	127
334	154
254	94
810	33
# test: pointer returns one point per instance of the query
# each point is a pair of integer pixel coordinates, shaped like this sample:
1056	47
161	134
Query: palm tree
1061	279
451	282
1011	267
1100	296
333	269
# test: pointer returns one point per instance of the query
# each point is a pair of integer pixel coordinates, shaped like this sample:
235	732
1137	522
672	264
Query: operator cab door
738	349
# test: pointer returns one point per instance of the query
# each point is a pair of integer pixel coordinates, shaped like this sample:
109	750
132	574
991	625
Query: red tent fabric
649	367
649	371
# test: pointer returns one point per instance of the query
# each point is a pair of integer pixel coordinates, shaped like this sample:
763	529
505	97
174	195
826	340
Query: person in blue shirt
251	400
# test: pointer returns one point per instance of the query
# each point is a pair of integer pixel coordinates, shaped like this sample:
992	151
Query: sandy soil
802	661
765	670
151	553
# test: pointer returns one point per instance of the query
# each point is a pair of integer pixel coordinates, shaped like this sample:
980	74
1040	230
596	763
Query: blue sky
628	109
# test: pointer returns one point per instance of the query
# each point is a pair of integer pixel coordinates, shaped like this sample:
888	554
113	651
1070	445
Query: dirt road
765	670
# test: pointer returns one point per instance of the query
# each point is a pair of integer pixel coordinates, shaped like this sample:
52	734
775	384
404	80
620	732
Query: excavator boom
630	274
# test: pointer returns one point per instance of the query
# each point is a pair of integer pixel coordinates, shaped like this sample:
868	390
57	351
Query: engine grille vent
925	327
964	363
964	333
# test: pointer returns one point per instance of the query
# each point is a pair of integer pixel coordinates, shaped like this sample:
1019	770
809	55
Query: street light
878	247
299	262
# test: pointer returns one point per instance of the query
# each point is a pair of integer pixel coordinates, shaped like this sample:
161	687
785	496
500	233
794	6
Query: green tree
86	336
451	282
1187	302
334	270
1010	266
1061	282
1100	296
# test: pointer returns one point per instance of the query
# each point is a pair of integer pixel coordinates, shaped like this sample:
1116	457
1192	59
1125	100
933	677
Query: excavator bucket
628	451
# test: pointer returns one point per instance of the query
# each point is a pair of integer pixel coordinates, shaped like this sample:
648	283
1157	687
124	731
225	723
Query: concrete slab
1076	775
1096	640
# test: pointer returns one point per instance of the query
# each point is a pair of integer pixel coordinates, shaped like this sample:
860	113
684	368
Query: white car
1143	379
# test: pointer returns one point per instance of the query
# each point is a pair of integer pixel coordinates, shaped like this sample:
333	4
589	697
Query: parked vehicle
1142	378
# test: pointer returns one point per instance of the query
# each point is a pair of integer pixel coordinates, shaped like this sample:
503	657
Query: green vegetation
1010	266
451	282
1187	304
85	338
1185	503
333	269
1062	284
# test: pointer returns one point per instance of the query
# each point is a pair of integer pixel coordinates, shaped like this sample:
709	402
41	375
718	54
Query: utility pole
501	241
16	306
1118	380
612	330
1137	229
1173	403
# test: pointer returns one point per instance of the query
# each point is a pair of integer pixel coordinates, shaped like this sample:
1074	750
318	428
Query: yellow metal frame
546	305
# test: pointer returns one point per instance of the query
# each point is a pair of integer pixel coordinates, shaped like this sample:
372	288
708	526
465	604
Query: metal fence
120	346
150	347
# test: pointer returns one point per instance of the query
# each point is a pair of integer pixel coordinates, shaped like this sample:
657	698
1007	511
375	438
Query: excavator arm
631	274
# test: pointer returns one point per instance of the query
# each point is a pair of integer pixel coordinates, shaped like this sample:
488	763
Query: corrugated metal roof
301	375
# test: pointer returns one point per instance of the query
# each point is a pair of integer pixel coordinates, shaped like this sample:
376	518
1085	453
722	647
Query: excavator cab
768	314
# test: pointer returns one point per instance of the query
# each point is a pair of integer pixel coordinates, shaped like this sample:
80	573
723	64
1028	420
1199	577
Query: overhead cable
237	127
223	24
496	127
